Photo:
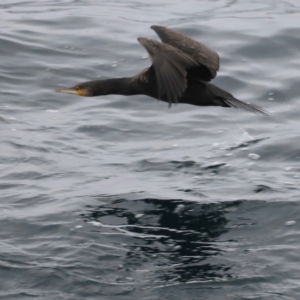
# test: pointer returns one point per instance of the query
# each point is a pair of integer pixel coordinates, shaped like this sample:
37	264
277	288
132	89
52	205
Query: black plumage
180	73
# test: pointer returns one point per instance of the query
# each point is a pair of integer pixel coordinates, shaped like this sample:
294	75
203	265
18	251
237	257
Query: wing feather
170	65
207	58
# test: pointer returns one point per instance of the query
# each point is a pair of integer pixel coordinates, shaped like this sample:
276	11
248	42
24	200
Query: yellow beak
70	91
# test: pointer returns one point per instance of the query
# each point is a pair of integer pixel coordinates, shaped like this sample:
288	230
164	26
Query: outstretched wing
207	58
170	65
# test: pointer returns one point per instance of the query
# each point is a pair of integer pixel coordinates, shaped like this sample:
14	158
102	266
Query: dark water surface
122	198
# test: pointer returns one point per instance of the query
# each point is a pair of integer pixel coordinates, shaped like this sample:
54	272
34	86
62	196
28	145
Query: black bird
180	73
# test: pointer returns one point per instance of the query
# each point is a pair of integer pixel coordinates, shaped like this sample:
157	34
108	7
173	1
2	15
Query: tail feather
232	102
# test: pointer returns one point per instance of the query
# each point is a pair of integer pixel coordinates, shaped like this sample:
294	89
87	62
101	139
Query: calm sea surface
122	198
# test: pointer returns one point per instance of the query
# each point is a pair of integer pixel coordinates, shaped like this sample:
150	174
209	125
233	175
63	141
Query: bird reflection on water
179	237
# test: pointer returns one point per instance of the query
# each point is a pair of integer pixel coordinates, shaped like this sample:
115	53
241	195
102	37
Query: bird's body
180	73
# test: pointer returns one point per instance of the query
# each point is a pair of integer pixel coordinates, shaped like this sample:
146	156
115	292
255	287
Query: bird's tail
233	102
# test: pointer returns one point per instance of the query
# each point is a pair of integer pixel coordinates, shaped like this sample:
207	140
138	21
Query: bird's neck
143	83
114	86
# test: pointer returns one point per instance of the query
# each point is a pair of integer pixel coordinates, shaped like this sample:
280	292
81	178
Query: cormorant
180	73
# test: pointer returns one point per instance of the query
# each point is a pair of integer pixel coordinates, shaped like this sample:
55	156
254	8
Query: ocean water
119	197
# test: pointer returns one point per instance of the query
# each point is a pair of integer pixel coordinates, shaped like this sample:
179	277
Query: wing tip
141	39
154	27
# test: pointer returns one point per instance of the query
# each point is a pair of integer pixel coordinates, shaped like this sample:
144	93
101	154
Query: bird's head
116	86
82	89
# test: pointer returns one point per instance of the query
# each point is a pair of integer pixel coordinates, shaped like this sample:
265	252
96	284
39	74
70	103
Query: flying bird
180	73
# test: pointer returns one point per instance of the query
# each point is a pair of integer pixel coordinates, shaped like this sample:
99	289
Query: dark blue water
120	197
